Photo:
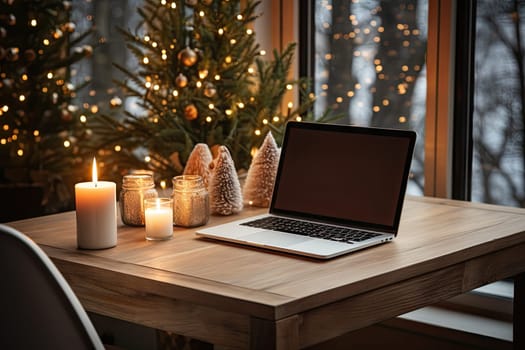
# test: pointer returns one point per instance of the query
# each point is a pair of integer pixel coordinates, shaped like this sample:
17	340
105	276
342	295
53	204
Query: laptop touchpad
275	238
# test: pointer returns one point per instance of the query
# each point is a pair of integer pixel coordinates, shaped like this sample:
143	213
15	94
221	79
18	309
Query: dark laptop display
326	175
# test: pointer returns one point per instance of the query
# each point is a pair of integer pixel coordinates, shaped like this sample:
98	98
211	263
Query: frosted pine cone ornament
259	183
199	162
224	187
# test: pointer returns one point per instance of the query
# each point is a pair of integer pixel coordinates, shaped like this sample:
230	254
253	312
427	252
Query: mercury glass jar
190	201
135	189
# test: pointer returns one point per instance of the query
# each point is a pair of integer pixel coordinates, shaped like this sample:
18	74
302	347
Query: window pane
498	121
370	66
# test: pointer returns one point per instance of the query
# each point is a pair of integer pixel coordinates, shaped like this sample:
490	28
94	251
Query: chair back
38	309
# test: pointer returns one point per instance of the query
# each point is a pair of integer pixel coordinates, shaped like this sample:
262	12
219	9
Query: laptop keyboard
334	233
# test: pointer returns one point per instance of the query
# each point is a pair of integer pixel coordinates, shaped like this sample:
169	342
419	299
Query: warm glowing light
173	5
289	86
376	109
21	98
276	119
262	52
228	59
203	73
201	13
147	84
5	127
249	31
257	132
251	70
299	118
147	38
24	77
217	77
5	108
209	119
67	143
175	93
402	119
33	22
198	84
147	159
83	118
228	112
156	87
94	174
211	106
145	60
233	41
239	17
240	105
46	42
265	121
49	75
94	109
36	133
290	105
20	152
117	148
220	31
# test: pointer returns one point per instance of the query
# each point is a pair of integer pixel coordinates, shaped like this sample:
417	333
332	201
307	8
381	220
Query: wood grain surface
236	296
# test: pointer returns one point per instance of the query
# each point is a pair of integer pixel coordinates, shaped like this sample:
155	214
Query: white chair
38	309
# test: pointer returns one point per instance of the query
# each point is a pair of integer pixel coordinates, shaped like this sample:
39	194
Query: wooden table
239	297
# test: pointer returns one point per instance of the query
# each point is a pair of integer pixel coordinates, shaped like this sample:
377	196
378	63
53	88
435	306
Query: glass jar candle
190	201
135	189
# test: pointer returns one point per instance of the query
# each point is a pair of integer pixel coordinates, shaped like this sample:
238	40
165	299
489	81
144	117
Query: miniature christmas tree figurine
199	162
261	175
224	186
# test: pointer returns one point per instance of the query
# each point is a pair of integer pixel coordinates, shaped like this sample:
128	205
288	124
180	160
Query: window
369	66
498	103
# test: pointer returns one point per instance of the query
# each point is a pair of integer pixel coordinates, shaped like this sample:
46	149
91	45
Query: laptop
338	189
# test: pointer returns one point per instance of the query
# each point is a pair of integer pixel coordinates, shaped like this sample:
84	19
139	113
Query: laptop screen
343	174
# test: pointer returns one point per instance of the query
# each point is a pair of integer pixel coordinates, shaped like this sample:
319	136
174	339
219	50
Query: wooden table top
434	233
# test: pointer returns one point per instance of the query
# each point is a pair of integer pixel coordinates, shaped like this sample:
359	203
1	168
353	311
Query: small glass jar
135	189
190	201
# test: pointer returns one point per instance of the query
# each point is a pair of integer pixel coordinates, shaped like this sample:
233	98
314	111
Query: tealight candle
158	214
96	212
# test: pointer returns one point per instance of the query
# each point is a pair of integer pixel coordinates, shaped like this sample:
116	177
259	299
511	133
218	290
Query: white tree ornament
224	186
199	162
259	183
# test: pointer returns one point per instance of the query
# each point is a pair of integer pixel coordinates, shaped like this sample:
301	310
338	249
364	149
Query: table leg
275	335
519	312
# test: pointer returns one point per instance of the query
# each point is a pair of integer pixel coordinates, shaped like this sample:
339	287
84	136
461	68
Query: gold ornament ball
209	90
181	80
188	57
191	112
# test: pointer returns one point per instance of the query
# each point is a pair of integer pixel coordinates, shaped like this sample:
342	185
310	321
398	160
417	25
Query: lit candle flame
94	171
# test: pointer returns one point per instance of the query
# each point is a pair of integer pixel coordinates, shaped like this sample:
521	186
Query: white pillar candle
96	211
158	215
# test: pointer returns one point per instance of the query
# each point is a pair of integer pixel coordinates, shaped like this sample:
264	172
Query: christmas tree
201	78
40	123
